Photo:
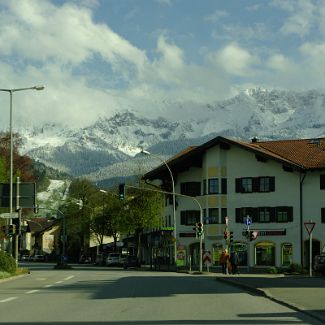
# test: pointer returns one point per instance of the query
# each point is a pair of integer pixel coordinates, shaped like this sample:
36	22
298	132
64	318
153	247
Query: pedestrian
234	260
224	259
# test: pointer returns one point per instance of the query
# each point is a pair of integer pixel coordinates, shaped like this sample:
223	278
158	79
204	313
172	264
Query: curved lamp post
174	201
11	91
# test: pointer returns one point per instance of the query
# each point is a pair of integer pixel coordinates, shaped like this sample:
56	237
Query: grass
19	271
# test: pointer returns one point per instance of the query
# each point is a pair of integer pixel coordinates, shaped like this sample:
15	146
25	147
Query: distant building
277	185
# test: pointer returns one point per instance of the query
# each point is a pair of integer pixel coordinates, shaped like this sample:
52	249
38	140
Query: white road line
32	291
48	286
8	299
59	282
69	277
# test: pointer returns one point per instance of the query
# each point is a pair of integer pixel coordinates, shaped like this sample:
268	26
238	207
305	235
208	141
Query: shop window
216	252
241	249
286	254
265	254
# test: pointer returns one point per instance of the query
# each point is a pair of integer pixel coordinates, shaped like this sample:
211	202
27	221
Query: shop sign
187	234
281	232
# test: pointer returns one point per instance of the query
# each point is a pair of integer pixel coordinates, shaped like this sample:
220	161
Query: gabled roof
299	154
36	225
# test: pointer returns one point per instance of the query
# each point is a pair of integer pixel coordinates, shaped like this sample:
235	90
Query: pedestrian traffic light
12	230
199	228
231	236
121	191
225	235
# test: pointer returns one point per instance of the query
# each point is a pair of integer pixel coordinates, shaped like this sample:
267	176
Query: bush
273	270
7	263
295	268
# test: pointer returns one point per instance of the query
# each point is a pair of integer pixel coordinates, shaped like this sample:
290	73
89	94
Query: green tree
142	211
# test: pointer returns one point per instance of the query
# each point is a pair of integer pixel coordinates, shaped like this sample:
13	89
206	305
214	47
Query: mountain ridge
108	148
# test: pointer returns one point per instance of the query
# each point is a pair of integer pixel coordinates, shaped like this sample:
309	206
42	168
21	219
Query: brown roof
306	153
302	154
39	224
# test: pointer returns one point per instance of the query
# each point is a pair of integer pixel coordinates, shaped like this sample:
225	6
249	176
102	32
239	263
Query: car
131	261
25	258
113	259
38	258
319	263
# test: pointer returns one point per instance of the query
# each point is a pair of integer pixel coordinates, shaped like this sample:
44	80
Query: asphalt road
98	296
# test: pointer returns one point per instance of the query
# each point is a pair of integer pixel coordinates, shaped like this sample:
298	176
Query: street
101	295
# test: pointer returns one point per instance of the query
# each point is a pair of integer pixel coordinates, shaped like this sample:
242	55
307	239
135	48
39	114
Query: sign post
248	222
309	227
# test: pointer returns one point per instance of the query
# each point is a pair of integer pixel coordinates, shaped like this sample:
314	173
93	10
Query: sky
99	57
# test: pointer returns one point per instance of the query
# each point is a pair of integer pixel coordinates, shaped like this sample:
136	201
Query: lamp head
39	87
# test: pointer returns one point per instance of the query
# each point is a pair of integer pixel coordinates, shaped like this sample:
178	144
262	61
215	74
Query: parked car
25	258
113	259
319	263
38	258
131	261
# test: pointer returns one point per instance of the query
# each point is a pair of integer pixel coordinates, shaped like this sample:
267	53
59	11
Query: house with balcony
278	186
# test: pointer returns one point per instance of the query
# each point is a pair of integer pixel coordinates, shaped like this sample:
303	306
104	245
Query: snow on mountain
108	148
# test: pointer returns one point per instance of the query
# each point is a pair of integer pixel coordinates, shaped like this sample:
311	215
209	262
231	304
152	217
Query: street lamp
11	91
174	202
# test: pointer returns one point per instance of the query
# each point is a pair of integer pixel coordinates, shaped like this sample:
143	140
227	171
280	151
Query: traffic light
225	235
12	230
121	191
251	236
199	227
231	236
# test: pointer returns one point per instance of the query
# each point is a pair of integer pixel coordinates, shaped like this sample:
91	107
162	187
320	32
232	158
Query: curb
266	294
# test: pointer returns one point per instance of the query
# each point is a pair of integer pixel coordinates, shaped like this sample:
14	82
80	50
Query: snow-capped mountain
109	147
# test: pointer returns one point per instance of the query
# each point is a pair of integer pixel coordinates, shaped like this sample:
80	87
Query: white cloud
217	15
303	15
278	62
236	60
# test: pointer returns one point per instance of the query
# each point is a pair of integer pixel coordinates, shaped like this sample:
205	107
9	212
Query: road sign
309	225
8	215
27	193
207	258
247	221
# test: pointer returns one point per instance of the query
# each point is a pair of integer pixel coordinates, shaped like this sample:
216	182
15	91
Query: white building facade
278	185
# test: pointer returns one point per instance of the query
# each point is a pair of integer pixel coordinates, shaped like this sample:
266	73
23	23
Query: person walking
234	260
224	260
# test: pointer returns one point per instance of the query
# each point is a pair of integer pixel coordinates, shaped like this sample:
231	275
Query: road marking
8	299
32	291
69	277
48	286
59	282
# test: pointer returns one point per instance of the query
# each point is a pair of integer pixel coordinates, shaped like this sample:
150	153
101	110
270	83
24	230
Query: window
283	214
213	186
255	184
247	185
191	188
213	216
265	254
190	217
264	214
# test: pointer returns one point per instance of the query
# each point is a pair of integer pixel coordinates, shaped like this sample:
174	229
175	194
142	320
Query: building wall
236	163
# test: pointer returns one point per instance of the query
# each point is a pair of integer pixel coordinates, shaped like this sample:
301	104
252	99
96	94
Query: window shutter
256	184
290	214
183	218
223	185
272	184
239	188
322	181
238	215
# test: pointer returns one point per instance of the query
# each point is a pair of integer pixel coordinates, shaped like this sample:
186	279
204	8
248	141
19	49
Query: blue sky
97	57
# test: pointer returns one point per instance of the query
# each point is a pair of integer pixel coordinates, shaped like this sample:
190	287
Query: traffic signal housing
12	230
231	236
225	235
199	227
252	235
121	191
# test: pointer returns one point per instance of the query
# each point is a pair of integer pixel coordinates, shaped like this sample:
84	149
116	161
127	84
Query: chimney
254	140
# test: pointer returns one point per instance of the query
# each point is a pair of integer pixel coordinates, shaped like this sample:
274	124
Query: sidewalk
302	293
